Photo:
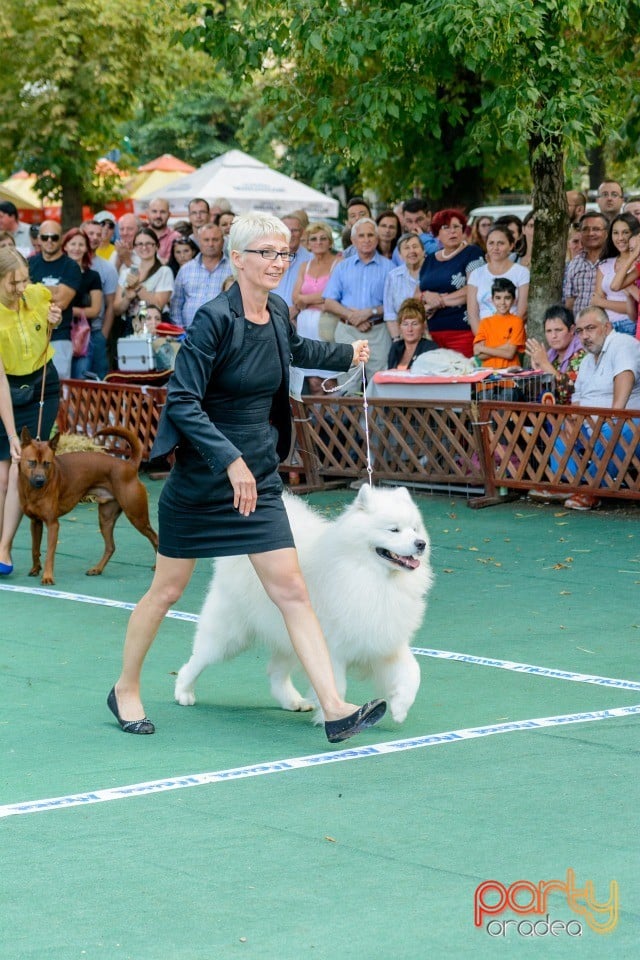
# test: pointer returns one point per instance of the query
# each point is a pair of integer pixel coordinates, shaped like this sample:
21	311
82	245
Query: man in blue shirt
288	282
355	294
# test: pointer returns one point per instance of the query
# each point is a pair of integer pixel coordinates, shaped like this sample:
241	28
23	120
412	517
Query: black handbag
23	395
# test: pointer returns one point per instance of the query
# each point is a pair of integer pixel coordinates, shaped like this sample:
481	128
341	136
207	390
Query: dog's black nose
421	546
38	482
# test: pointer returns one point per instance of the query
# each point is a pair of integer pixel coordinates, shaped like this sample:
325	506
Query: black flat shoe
365	716
129	726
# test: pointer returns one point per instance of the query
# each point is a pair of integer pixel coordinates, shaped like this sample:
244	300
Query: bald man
158	216
128	226
62	276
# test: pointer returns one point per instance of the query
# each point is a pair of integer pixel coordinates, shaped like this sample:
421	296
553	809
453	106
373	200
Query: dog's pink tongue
412	562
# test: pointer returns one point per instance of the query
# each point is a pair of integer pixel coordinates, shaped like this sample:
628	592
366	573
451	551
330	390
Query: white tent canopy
247	184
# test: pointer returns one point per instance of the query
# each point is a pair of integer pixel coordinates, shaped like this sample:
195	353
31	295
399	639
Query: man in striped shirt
200	280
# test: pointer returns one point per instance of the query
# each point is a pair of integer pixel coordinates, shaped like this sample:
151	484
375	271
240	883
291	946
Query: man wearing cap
62	276
9	221
107	220
158	216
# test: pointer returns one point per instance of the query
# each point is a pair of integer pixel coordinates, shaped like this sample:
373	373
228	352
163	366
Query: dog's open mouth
407	563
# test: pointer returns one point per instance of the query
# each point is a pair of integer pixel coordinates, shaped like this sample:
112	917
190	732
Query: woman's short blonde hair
318	227
249	227
10	261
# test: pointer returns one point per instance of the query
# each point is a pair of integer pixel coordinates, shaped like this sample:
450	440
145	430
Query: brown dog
51	486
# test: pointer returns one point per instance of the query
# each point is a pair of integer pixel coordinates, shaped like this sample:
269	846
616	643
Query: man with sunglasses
62	276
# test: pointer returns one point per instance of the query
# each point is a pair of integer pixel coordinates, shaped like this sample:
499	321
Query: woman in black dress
227	416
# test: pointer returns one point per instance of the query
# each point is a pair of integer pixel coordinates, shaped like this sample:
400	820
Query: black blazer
216	334
397	349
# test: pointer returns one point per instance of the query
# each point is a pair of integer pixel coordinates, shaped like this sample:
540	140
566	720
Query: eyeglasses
148	243
613	194
320	236
49	236
273	255
411	323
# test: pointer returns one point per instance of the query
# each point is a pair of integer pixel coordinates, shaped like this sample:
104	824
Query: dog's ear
25	437
365	497
403	492
55	440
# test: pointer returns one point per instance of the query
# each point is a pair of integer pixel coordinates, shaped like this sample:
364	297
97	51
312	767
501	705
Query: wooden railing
86	406
560	449
493	445
409	440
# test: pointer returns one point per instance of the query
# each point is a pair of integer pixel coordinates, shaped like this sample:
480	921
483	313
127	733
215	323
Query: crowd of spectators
403	278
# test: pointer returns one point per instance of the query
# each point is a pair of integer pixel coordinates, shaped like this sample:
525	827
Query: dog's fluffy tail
136	447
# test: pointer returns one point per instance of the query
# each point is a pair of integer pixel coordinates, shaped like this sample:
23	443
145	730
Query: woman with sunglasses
227	417
146	279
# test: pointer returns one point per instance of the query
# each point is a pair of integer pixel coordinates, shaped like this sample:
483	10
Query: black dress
228	397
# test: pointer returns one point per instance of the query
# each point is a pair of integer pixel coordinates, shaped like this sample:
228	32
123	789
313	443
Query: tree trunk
595	158
467	189
550	238
72	193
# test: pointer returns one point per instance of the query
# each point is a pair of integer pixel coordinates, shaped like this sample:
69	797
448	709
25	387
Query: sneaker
582	501
547	495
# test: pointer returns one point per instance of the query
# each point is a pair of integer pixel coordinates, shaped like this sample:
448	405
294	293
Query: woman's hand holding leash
361	351
15	448
245	493
54	317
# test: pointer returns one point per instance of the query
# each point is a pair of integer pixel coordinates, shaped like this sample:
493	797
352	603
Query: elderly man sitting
609	376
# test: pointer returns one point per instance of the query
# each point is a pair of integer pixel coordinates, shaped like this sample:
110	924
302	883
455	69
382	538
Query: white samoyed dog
368	575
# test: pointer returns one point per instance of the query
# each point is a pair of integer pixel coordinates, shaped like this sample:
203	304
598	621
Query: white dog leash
359	371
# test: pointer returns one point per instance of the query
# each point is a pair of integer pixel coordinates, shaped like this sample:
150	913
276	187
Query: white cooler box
135	354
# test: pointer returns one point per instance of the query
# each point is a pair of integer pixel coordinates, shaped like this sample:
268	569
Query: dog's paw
398	711
35	571
302	706
93	572
47	581
186	698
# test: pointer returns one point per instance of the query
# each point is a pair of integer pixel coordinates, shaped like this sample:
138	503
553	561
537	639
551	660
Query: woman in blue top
443	282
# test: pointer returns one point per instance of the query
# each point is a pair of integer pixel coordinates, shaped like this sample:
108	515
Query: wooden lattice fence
560	449
86	406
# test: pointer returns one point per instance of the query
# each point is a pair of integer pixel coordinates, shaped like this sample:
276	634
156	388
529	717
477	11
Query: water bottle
142	317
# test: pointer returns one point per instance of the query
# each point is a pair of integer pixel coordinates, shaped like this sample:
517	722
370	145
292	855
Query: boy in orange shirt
501	338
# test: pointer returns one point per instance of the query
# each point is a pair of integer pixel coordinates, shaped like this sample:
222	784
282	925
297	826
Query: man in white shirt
609	376
20	231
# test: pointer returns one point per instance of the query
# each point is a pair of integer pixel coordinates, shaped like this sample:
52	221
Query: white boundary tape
528	668
298	763
419	651
279	766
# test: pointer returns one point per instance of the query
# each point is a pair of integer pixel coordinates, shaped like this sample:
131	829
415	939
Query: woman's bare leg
281	577
169	582
10	509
